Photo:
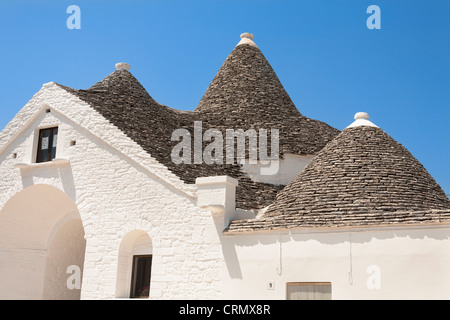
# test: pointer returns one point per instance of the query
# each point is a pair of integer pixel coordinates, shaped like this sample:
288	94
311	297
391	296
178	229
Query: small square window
47	144
309	291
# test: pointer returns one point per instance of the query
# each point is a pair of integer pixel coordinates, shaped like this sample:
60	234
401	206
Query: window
140	278
309	291
47	144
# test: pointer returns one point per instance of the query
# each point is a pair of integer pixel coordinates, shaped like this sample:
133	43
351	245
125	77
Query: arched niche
135	246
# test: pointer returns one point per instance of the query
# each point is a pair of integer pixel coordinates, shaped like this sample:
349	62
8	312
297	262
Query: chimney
218	195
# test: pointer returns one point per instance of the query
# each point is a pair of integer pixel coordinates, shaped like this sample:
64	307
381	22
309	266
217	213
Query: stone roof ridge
367	219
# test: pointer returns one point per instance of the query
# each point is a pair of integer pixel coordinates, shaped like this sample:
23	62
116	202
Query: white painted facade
117	189
281	173
104	199
377	263
402	262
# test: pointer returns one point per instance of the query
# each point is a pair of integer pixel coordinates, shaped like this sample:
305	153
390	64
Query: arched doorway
41	235
134	265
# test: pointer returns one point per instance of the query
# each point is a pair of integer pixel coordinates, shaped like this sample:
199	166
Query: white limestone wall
119	190
66	248
402	263
288	168
40	235
115	196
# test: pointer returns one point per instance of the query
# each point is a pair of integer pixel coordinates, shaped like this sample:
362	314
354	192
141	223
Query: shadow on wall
228	250
272	244
340	236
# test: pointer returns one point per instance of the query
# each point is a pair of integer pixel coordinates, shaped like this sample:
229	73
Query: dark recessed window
140	278
47	144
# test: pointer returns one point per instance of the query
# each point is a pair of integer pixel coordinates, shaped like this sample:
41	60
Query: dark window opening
47	144
140	277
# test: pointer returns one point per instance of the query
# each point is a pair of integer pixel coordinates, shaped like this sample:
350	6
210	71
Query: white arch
41	234
136	242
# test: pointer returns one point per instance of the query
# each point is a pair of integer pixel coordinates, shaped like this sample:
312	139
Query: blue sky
329	62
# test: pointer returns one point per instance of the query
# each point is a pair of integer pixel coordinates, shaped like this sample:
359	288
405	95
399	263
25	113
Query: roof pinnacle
247	35
361	115
247	38
122	66
362	119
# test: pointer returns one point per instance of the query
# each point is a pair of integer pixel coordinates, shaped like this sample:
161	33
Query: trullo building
93	205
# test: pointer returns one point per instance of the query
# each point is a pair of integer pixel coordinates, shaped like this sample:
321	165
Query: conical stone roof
122	100
246	93
362	177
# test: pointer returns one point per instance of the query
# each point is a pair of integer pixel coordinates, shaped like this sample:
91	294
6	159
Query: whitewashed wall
117	189
288	168
114	196
406	263
40	235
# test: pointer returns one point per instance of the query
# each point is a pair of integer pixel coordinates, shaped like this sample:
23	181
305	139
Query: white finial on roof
247	38
247	35
361	115
122	66
362	119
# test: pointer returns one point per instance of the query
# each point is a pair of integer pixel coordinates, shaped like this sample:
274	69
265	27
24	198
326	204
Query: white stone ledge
57	162
216	180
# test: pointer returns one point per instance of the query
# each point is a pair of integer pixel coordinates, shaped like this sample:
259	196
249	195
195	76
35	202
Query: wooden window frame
50	144
134	258
324	283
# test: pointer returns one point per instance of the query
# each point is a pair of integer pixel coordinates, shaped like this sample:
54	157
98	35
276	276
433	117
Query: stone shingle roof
246	93
362	177
122	100
339	219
